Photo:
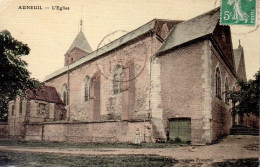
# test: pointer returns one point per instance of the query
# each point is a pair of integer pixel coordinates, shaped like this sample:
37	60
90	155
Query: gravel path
232	147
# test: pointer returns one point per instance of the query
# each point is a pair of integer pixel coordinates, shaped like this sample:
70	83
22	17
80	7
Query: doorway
180	129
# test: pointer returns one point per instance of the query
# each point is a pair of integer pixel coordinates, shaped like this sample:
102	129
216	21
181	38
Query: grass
49	160
87	145
250	162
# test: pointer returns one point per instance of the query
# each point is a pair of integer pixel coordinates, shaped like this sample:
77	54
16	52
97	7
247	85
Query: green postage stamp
238	12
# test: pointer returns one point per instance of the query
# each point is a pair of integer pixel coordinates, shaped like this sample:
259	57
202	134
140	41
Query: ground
230	148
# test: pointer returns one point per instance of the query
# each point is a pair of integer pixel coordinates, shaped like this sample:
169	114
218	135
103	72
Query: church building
166	79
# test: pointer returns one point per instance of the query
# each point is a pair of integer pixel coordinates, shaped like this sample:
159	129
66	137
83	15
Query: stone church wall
112	106
221	113
181	91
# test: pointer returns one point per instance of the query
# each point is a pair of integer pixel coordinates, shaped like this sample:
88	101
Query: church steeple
79	48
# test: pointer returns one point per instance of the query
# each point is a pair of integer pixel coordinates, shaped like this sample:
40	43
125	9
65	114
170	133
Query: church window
233	103
21	106
226	90
65	97
65	94
117	77
218	83
86	88
12	110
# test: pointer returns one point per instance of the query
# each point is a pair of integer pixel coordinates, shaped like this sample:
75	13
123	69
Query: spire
80	42
239	45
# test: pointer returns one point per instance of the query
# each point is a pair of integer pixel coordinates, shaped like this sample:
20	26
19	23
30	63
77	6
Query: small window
21	106
42	108
13	110
226	90
218	83
233	103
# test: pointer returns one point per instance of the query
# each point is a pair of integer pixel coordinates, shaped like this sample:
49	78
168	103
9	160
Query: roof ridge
190	32
218	8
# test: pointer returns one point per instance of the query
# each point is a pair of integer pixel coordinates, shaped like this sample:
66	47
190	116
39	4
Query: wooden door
180	128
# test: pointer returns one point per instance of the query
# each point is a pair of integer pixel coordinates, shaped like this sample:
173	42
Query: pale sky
49	33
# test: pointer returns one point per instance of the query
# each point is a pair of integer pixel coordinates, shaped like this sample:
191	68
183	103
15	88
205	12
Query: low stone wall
80	132
3	130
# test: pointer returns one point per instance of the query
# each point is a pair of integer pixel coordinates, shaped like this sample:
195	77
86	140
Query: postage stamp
238	12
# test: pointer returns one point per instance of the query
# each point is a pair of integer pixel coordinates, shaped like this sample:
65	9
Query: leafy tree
14	77
247	97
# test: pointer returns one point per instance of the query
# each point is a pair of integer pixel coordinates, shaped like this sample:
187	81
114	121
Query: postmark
238	12
121	58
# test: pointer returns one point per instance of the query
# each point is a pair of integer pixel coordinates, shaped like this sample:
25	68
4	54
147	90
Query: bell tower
78	49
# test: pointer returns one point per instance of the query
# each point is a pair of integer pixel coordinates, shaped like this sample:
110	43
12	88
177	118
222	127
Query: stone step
251	134
243	130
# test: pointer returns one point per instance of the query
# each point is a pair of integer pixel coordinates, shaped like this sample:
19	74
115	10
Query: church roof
237	56
148	27
45	93
80	42
192	29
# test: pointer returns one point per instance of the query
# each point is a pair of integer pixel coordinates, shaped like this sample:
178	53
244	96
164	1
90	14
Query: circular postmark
128	54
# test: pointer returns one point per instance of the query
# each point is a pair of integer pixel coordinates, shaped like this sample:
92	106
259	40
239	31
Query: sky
49	33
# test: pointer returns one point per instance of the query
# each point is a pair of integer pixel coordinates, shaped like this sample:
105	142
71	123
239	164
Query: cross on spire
81	21
239	45
81	24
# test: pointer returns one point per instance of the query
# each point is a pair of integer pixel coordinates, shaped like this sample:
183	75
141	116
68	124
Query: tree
14	77
247	97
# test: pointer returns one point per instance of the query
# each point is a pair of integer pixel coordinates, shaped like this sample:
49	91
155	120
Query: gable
222	35
191	30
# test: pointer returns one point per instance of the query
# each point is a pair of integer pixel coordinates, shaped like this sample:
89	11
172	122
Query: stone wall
81	132
3	130
221	113
22	111
16	118
181	87
134	97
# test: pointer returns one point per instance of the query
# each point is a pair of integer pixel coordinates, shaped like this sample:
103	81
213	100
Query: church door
180	129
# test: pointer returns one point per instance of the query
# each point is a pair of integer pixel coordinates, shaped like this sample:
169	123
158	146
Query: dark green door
180	128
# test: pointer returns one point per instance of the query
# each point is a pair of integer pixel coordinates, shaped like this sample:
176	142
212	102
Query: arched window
226	90
117	78
218	83
233	103
86	88
21	105
64	94
13	110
